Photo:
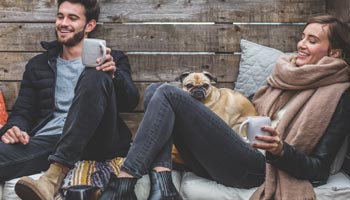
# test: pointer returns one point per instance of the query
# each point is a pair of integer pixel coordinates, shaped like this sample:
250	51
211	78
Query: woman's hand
109	65
272	144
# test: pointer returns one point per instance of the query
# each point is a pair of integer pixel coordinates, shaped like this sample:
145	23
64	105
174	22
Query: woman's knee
149	92
161	90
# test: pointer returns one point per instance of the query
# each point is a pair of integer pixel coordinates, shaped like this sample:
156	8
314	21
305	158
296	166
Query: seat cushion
337	187
194	187
1	188
9	188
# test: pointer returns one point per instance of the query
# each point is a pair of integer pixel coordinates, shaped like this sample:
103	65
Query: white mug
93	49
254	125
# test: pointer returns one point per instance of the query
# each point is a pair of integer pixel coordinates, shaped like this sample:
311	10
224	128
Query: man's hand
273	143
15	135
109	65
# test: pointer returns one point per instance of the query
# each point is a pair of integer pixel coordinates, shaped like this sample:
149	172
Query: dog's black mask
198	93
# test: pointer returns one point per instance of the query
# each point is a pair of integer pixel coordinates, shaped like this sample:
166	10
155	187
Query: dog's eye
189	85
206	86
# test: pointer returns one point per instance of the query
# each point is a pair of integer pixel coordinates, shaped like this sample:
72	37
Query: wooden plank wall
339	8
162	38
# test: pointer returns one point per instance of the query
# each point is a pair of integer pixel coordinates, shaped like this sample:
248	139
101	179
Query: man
66	112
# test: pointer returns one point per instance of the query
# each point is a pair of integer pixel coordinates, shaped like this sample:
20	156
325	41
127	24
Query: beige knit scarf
317	89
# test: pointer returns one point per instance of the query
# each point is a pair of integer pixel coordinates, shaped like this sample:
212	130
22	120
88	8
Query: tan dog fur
229	105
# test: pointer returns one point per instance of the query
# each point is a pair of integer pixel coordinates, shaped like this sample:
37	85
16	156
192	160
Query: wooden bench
164	38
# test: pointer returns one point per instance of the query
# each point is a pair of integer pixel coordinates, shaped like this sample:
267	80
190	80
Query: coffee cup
92	50
253	127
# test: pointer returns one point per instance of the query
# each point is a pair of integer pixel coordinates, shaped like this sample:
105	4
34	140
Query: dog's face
197	84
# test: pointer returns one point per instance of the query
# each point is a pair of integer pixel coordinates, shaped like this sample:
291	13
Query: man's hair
92	8
339	33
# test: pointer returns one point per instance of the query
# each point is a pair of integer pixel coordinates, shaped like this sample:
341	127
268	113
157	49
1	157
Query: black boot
162	186
119	189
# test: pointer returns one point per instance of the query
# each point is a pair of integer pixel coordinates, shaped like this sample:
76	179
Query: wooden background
163	38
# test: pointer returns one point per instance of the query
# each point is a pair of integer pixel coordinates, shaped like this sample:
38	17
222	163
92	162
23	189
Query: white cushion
257	62
1	188
337	187
194	187
9	188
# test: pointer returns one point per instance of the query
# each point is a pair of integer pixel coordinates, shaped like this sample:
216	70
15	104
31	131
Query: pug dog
231	106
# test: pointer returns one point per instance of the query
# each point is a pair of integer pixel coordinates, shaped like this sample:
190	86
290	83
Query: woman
307	99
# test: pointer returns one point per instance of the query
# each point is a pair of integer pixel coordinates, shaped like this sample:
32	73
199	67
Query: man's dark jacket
35	104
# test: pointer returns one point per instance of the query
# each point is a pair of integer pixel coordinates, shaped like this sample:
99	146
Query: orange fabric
3	112
176	156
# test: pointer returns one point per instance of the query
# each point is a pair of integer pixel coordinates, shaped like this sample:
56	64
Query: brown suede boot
45	188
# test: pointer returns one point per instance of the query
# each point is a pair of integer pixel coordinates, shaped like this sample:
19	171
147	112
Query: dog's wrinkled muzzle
198	93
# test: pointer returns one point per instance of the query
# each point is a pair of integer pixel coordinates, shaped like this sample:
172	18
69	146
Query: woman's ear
335	53
90	26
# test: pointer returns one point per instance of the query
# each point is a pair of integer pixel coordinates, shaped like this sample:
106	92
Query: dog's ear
182	76
210	76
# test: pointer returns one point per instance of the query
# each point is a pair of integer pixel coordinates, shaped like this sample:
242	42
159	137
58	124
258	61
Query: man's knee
91	78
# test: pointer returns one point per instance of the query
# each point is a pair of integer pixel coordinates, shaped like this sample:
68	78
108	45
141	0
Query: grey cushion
257	62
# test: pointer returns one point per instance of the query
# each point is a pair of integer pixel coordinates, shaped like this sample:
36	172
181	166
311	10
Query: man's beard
77	37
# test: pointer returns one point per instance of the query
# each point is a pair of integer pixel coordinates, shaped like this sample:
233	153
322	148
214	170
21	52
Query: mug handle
242	125
104	53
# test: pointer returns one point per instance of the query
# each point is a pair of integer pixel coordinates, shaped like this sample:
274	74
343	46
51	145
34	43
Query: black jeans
18	160
90	132
208	145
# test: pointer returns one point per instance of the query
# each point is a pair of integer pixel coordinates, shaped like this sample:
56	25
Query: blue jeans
208	145
92	131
